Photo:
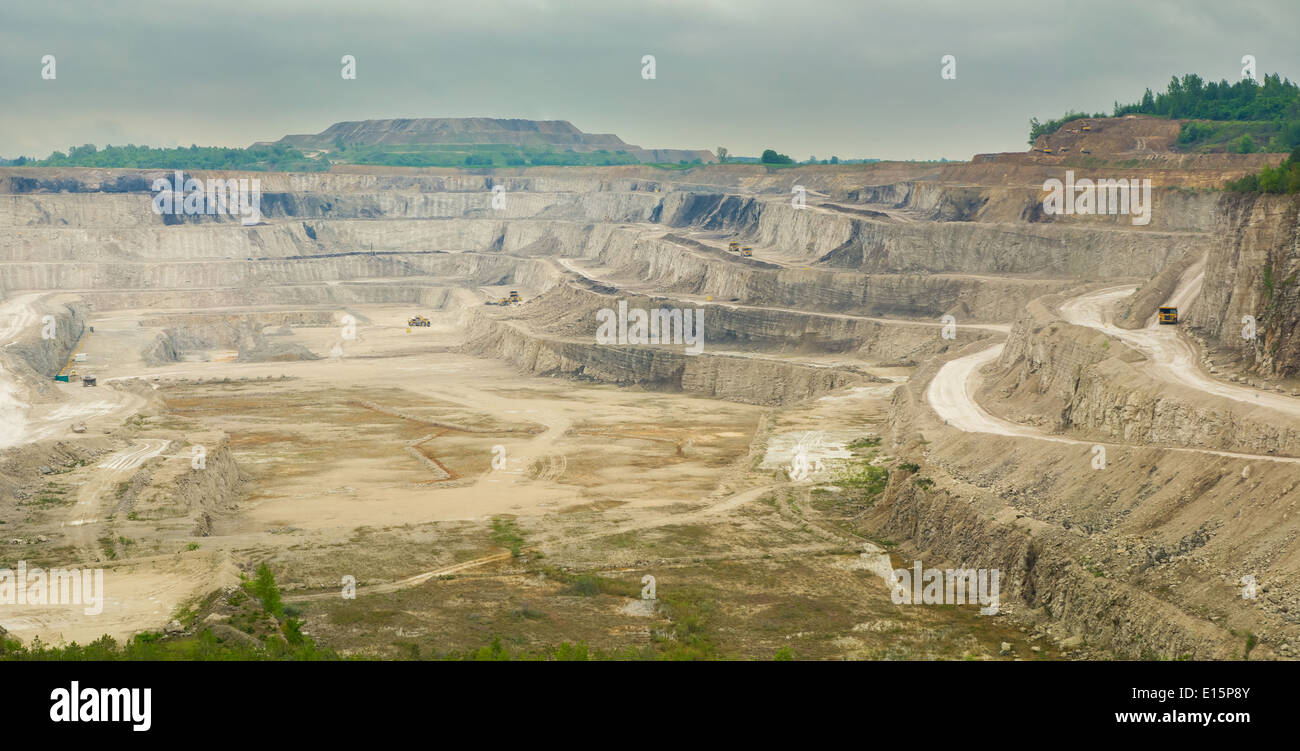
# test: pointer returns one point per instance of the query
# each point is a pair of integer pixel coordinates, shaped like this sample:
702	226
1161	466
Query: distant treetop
1276	99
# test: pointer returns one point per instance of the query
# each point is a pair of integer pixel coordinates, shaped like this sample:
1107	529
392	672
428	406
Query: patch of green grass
687	535
590	585
350	614
508	535
622	540
691	637
865	477
860	444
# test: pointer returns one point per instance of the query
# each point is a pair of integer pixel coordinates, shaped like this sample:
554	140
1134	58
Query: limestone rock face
1253	270
1073	379
739	379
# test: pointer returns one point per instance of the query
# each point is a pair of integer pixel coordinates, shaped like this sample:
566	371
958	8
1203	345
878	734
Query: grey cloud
837	77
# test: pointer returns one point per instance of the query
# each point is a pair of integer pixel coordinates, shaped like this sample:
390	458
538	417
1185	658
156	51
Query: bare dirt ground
395	460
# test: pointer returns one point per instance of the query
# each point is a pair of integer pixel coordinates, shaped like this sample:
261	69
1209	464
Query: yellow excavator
747	251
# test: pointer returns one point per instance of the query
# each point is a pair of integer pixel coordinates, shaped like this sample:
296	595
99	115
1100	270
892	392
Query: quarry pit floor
468	501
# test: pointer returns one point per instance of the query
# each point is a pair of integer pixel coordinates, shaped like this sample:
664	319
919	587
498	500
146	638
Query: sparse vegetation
863	476
1284	178
862	444
507	534
261	615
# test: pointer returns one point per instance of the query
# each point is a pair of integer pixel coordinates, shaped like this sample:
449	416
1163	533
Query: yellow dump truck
418	321
1168	316
747	252
514	296
733	246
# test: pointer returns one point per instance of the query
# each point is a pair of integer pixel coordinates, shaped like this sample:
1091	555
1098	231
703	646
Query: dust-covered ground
468	503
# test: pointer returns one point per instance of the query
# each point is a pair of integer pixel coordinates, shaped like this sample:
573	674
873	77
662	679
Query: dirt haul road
569	265
952	392
1170	357
15	315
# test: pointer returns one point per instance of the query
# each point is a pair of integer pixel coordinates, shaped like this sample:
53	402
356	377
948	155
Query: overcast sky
853	78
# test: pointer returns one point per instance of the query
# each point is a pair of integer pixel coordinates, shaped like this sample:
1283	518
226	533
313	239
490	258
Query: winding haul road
15	315
133	457
1170	358
569	265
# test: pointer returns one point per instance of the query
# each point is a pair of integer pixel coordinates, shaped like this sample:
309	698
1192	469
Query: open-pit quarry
912	363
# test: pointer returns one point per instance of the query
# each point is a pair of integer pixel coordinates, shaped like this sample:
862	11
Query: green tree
771	157
264	587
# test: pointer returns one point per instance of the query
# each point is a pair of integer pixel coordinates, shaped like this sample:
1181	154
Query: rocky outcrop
661	368
1087	249
1144	557
1076	380
1046	569
1253	271
243	333
47	356
673	267
1136	310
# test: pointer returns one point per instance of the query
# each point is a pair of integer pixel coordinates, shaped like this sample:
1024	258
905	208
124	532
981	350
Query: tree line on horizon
276	157
1273	105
